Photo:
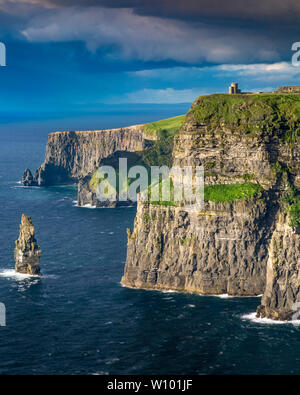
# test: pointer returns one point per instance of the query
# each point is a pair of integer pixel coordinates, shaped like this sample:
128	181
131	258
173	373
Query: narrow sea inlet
77	318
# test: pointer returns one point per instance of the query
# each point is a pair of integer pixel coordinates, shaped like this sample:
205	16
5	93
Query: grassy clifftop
269	113
165	126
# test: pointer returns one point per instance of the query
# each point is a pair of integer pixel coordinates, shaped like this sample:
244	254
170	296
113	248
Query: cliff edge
249	147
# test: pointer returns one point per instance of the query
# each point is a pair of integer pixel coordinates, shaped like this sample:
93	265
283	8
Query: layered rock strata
71	156
229	246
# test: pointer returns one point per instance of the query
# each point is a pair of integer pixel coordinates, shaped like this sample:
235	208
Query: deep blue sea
78	319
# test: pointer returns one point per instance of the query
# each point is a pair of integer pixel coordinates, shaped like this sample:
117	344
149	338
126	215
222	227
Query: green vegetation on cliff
218	193
292	198
97	178
254	114
169	126
159	153
295	212
231	192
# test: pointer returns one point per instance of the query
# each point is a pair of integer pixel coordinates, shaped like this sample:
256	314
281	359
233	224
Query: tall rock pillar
27	252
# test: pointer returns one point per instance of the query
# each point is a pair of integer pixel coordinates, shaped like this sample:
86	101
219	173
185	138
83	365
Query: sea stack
27	179
27	251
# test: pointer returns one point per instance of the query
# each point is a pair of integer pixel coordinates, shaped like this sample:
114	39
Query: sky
83	58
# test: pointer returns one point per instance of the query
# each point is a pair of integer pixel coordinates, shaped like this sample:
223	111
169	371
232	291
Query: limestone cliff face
27	252
219	250
283	272
71	156
225	248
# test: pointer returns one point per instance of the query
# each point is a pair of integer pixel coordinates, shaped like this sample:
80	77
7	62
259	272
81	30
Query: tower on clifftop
234	88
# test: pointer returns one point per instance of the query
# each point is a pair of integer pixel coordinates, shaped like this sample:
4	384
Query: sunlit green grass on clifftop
257	114
169	126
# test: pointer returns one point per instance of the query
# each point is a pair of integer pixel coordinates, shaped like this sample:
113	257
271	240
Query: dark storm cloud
182	30
257	10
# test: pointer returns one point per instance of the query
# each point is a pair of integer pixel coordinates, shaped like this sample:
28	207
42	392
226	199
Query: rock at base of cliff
276	315
87	197
27	252
27	179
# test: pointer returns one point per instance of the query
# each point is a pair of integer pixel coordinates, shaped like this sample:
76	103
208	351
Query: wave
226	296
11	273
252	317
85	206
89	206
223	296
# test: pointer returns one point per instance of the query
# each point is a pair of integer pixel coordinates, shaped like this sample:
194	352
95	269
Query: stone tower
234	88
27	252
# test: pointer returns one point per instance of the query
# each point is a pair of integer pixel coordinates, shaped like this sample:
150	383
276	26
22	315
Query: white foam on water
226	296
252	317
87	206
164	291
167	291
11	273
223	296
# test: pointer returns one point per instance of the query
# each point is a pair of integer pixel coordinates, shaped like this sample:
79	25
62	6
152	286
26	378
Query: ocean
78	319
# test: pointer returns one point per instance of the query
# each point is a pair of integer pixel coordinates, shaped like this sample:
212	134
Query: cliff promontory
75	156
245	241
72	155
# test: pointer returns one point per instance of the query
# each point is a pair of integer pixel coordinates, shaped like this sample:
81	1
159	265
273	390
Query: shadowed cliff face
216	251
226	248
71	156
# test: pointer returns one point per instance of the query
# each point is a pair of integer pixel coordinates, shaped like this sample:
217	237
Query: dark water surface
78	319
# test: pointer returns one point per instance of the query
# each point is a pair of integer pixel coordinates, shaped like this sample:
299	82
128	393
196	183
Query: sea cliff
228	247
245	240
73	155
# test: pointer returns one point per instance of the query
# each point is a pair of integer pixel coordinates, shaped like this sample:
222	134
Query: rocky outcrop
87	197
282	291
73	155
27	252
227	247
27	179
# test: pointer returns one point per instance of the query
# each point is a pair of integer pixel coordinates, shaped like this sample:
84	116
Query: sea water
77	318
